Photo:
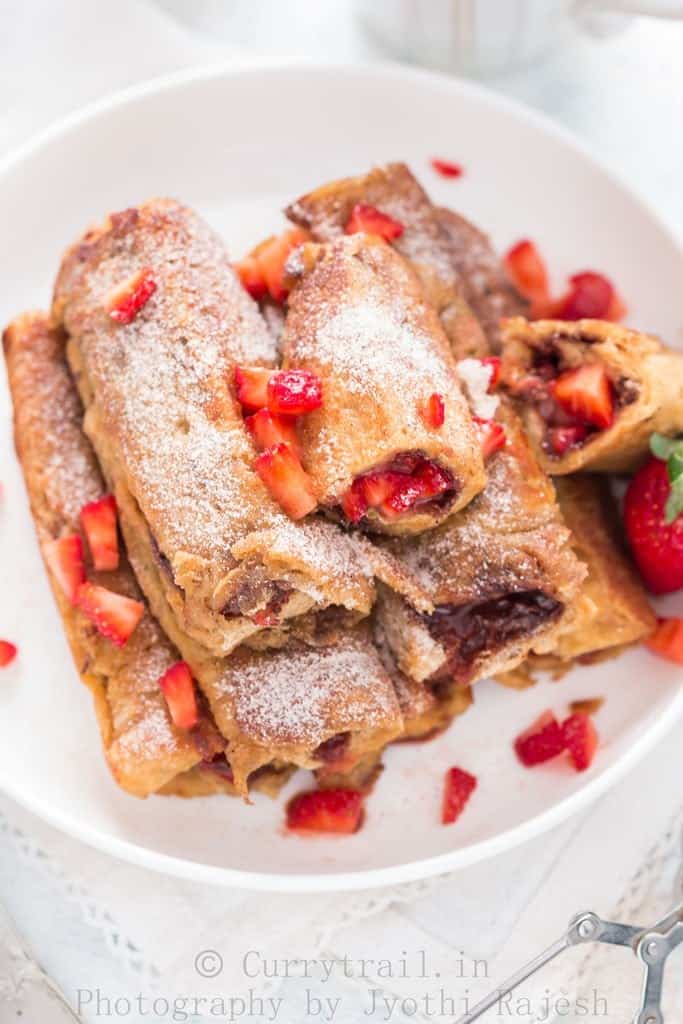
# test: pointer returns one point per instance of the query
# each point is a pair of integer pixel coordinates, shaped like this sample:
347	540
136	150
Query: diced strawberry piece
177	686
64	557
494	364
371	221
433	479
379	486
446	168
458	788
114	615
590	296
250	274
125	301
251	383
8	653
408	492
491	435
354	503
586	393
541	742
580	739
99	523
667	640
294	392
287	480
272	256
563	438
326	810
268	428
527	271
433	411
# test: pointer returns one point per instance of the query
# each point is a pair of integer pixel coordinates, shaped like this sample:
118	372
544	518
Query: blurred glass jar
490	36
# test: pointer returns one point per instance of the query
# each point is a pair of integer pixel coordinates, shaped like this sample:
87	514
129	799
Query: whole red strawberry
653	516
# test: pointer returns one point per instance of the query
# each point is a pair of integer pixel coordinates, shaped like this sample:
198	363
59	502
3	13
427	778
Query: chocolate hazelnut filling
260	600
334	749
563	431
471	630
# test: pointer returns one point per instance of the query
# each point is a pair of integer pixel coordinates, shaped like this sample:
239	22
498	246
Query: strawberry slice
371	221
446	168
64	558
527	271
124	302
272	255
580	739
433	411
590	296
458	788
587	394
251	275
178	689
294	392
494	364
99	523
268	429
491	435
251	383
287	480
541	742
563	438
8	653
114	615
326	810
667	640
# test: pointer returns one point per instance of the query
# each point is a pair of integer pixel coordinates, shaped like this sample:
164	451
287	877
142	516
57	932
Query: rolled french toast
591	393
144	750
393	446
395	192
161	413
612	610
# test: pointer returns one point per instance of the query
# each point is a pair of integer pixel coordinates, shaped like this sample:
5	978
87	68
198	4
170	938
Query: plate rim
474	852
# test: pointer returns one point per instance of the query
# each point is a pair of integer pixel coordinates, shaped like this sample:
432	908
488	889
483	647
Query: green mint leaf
674	504
663	447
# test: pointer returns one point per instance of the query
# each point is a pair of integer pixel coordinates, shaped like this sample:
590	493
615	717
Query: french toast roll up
611	610
157	322
500	577
392	446
486	287
590	392
145	751
394	193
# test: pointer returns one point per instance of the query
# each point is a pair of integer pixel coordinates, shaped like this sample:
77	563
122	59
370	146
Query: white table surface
624	96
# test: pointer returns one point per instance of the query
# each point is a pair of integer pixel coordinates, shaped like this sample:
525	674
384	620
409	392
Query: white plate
237	144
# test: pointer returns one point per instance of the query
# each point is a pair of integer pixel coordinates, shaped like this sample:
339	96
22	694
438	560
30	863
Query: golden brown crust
641	368
143	748
394	190
358	319
486	287
164	421
510	540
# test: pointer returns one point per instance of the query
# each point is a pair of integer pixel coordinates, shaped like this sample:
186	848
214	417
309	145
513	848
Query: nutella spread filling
470	630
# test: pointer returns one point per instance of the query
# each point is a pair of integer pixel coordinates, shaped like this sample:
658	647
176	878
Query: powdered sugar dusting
301	695
476	378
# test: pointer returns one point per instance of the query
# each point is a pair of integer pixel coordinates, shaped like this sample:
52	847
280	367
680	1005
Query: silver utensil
652	946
